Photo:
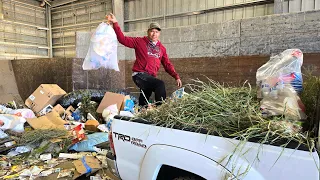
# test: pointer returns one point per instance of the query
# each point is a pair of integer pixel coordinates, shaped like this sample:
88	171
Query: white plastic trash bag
102	50
12	122
25	113
279	83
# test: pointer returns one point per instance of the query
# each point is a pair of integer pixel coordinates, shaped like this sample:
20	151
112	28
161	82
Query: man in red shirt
149	54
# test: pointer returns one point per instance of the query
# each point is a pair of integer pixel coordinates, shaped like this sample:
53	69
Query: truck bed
140	145
291	145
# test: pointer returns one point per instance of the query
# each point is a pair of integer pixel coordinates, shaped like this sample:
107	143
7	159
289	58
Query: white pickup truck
142	151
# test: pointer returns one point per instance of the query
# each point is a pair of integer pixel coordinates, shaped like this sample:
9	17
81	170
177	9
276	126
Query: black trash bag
73	98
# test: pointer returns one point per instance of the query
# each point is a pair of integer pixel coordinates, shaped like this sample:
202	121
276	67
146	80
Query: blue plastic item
129	105
92	140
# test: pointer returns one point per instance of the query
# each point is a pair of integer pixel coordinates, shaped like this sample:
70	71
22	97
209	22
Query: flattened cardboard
91	161
110	99
44	95
50	121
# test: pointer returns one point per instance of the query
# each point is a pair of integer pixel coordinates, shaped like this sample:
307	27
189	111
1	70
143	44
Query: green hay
232	112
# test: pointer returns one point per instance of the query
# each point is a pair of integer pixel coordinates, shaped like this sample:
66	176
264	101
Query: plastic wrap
279	83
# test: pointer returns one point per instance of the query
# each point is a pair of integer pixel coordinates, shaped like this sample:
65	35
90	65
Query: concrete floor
69	165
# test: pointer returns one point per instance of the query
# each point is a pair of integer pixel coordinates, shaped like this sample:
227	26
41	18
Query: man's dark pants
149	84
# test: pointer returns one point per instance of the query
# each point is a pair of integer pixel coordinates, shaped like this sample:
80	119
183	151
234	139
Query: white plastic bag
12	122
279	82
25	113
102	50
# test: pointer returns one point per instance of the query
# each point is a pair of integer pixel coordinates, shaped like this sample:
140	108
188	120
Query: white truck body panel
141	149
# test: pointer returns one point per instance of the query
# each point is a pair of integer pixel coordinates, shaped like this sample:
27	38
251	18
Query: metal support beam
118	11
49	32
278	6
61	2
1	10
77	25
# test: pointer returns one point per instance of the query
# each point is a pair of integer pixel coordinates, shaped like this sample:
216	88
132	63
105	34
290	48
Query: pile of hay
226	111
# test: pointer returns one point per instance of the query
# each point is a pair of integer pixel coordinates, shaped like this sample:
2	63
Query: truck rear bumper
112	164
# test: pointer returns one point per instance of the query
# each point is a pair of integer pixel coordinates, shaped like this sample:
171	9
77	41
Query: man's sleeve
124	40
168	65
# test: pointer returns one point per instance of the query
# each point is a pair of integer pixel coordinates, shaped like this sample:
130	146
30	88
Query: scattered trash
87	164
66	173
69	156
34	171
45	157
103	159
90	117
96	177
47	172
88	144
12	122
19	150
103	128
11	176
3	135
78	134
34	149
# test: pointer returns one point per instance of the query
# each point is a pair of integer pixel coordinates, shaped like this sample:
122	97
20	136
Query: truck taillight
111	143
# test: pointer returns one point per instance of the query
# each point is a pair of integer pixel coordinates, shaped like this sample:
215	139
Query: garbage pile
54	127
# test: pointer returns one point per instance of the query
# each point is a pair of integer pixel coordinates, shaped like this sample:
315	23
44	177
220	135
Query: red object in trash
78	134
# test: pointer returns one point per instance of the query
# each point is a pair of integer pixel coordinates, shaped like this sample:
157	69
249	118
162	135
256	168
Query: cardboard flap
110	99
50	121
59	109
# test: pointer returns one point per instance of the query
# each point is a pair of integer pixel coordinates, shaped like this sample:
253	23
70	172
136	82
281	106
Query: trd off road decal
132	140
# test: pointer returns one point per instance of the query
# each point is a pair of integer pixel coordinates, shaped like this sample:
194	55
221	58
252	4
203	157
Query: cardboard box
50	121
92	125
44	95
59	109
110	99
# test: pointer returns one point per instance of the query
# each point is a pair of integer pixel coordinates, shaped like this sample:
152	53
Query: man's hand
179	83
111	18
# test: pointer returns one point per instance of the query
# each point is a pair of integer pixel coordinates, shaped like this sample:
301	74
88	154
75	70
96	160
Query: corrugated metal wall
173	13
23	30
300	5
79	16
